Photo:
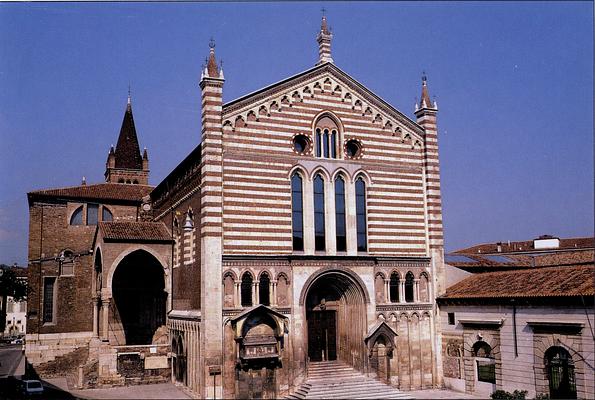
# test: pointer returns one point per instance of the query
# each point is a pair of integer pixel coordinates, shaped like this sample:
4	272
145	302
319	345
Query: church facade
306	227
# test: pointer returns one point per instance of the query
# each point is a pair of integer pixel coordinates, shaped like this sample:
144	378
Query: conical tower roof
127	150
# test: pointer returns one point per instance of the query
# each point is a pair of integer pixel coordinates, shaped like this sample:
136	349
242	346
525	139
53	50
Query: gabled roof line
259	94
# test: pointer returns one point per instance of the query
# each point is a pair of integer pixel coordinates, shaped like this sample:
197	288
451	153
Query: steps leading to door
335	380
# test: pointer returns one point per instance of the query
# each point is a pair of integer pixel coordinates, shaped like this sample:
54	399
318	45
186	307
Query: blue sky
513	81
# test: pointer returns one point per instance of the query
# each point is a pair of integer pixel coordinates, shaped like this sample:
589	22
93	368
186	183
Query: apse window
353	148
301	144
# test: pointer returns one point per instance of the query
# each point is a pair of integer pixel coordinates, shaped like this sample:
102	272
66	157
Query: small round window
301	144
353	148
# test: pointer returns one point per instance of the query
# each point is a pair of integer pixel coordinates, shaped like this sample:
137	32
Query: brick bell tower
125	163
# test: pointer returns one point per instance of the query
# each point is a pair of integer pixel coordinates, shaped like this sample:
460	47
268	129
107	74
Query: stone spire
324	42
425	101
211	69
127	149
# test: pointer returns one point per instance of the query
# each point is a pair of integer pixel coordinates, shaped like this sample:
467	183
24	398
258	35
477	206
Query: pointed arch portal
138	288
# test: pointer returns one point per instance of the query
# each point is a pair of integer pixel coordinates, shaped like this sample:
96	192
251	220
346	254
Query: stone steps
335	380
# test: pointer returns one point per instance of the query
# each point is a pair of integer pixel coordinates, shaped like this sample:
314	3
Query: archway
138	288
336	317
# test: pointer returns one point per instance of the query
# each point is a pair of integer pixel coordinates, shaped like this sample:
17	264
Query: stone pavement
170	391
440	394
155	391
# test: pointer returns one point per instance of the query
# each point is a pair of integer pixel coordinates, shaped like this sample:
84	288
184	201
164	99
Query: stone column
95	316
401	291
416	290
273	294
256	293
105	302
387	290
237	300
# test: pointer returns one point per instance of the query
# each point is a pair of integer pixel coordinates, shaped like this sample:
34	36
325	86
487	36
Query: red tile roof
565	281
135	231
527	246
484	262
101	191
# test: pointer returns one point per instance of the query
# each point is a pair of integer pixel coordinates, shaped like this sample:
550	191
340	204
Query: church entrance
336	318
322	335
139	299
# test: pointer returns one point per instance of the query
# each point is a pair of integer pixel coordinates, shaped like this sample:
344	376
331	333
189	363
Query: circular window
301	144
353	148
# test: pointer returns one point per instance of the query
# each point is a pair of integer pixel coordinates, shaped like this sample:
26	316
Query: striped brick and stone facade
258	294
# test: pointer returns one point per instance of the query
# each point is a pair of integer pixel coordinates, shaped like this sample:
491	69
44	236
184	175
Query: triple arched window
320	205
326	138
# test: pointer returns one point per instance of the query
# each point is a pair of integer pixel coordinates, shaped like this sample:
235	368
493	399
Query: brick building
305	227
520	317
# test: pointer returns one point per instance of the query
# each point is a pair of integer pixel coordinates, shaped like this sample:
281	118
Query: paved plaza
170	391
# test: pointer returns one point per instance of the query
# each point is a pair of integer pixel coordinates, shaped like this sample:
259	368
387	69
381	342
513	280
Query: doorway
336	321
322	335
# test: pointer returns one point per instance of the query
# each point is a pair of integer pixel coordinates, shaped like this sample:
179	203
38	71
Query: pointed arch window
340	214
264	294
319	223
297	212
394	287
327	138
360	210
409	287
246	290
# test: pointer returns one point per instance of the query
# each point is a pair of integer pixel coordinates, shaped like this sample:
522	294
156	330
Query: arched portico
334	302
138	306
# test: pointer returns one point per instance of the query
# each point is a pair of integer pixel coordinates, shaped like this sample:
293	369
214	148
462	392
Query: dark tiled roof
100	191
566	281
127	149
527	246
135	231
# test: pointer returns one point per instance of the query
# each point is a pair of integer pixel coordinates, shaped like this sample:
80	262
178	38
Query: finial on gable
324	41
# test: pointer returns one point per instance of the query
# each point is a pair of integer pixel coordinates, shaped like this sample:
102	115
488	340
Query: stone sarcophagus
259	333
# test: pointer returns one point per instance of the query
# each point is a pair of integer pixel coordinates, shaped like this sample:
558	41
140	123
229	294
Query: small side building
528	325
